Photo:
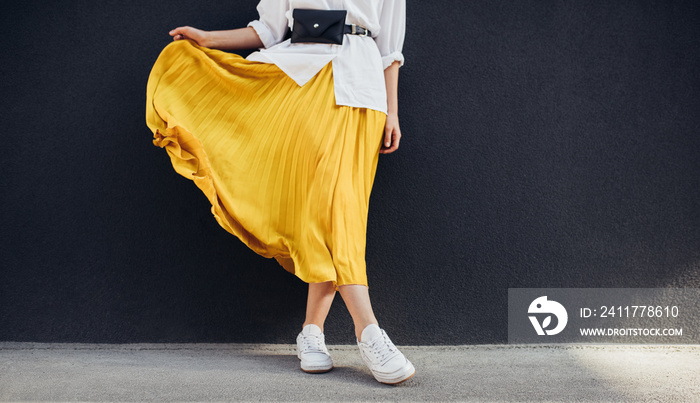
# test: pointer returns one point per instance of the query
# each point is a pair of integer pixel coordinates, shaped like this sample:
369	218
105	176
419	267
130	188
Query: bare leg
398	368
356	298
319	303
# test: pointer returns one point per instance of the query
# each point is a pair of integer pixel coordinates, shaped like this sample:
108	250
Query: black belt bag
323	26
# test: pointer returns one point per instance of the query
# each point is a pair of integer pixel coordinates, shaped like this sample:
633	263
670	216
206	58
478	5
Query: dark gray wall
545	144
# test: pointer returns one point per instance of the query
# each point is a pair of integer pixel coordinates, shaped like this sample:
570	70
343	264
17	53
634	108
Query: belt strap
353	29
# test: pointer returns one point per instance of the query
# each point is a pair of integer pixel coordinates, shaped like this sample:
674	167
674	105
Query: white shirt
358	64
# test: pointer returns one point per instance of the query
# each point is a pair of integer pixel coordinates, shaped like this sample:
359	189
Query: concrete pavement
259	372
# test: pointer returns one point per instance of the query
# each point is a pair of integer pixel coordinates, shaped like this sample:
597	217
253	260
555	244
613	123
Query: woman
285	145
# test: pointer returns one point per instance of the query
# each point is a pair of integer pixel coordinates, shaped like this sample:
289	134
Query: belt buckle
354	30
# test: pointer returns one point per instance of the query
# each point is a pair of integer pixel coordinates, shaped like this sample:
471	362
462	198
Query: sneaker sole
316	370
403	380
399	380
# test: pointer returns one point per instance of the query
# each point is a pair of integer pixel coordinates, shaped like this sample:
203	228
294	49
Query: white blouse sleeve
272	24
392	22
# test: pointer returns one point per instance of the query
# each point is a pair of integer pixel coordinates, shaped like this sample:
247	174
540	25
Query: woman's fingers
392	134
180	33
178	30
187	32
397	139
391	149
392	137
386	146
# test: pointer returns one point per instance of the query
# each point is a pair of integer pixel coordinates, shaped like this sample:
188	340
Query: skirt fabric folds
286	170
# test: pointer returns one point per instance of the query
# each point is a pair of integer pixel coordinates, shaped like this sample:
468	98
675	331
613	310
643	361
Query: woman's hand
392	134
197	35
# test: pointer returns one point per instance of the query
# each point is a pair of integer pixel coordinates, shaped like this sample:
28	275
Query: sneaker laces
383	348
312	344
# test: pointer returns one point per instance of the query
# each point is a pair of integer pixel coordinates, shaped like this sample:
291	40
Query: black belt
353	29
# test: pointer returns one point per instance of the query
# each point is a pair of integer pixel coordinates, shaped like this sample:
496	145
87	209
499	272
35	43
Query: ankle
320	325
361	327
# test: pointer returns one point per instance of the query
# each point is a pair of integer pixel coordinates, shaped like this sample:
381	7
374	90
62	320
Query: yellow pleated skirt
286	170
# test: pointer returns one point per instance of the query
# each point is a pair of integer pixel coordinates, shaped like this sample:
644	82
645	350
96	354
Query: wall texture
545	144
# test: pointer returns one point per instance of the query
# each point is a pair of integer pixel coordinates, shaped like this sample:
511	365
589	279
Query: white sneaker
387	363
312	351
